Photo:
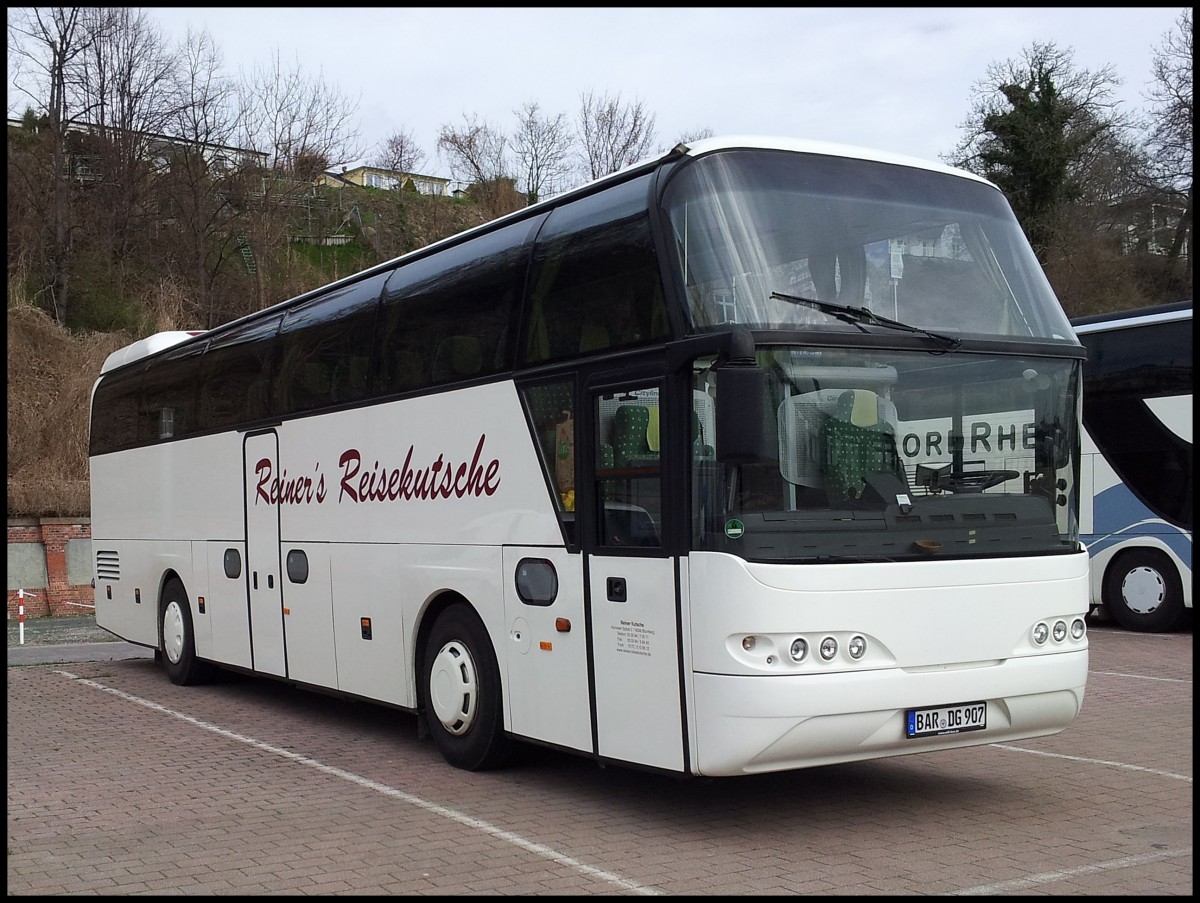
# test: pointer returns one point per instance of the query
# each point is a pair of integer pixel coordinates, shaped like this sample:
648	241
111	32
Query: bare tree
301	123
400	153
289	115
1170	138
695	135
48	43
689	137
477	153
205	176
612	134
126	80
542	147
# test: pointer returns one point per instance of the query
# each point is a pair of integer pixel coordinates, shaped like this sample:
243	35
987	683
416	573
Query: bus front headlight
856	647
799	649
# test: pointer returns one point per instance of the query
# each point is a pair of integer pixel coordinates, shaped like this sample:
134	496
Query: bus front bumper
756	724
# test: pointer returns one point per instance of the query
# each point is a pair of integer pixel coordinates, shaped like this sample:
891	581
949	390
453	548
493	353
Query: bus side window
167	402
595	280
235	371
118	397
457	357
325	346
407	371
551	408
628	474
448	317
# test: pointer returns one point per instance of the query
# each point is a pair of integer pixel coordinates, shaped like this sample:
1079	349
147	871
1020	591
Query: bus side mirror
739	413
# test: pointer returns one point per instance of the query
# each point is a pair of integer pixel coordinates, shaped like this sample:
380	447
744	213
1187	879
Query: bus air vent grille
108	565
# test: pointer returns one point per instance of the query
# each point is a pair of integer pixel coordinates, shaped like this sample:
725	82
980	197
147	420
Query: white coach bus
1137	481
759	455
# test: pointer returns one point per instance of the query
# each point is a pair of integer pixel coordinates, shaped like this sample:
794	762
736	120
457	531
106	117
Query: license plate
947	719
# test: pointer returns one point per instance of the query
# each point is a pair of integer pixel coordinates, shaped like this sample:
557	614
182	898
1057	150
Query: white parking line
1123	765
1019	884
454	815
1173	680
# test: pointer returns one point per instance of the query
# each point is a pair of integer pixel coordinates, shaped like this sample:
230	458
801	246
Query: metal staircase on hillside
243	245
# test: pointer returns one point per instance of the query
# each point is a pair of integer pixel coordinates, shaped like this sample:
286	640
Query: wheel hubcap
173	632
1143	590
453	689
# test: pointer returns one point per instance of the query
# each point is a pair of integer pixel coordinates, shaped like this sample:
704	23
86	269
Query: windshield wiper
857	316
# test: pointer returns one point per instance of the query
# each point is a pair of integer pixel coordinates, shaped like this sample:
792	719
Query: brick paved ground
122	783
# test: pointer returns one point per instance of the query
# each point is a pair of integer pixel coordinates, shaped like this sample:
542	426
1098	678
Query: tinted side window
1144	361
1124	368
449	316
325	348
167	409
235	375
114	411
551	408
594	280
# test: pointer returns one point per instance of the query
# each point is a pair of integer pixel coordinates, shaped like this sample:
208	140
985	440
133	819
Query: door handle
254	582
617	590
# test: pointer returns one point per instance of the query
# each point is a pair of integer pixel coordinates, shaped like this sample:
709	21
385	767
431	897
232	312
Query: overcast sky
889	78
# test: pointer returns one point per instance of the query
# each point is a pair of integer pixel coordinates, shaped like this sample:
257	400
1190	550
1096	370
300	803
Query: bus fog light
828	648
1077	629
856	647
1040	633
748	643
1060	631
799	649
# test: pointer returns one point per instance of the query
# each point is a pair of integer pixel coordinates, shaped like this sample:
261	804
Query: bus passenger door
263	573
632	593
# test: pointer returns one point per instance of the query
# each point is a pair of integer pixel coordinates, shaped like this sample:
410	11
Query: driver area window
628	468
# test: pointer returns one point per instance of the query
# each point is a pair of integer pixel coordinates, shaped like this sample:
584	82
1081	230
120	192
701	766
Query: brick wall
55	553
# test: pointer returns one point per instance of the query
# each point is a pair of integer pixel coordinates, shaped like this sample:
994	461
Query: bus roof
164	340
692	149
134	351
826	148
1141	316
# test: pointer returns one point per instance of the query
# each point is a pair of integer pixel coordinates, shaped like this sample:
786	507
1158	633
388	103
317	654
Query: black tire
1142	591
461	694
176	638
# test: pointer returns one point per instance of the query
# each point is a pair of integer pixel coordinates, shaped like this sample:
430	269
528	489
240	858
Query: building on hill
365	176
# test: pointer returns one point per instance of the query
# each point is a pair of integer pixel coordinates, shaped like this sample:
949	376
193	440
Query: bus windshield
934	250
873	455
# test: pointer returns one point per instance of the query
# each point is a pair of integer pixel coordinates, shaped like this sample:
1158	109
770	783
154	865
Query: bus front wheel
177	639
1142	591
461	692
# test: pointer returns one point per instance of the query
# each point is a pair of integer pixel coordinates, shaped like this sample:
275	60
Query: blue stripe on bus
1117	505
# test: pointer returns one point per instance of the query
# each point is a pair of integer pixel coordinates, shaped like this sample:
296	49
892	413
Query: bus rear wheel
461	692
1142	591
176	638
